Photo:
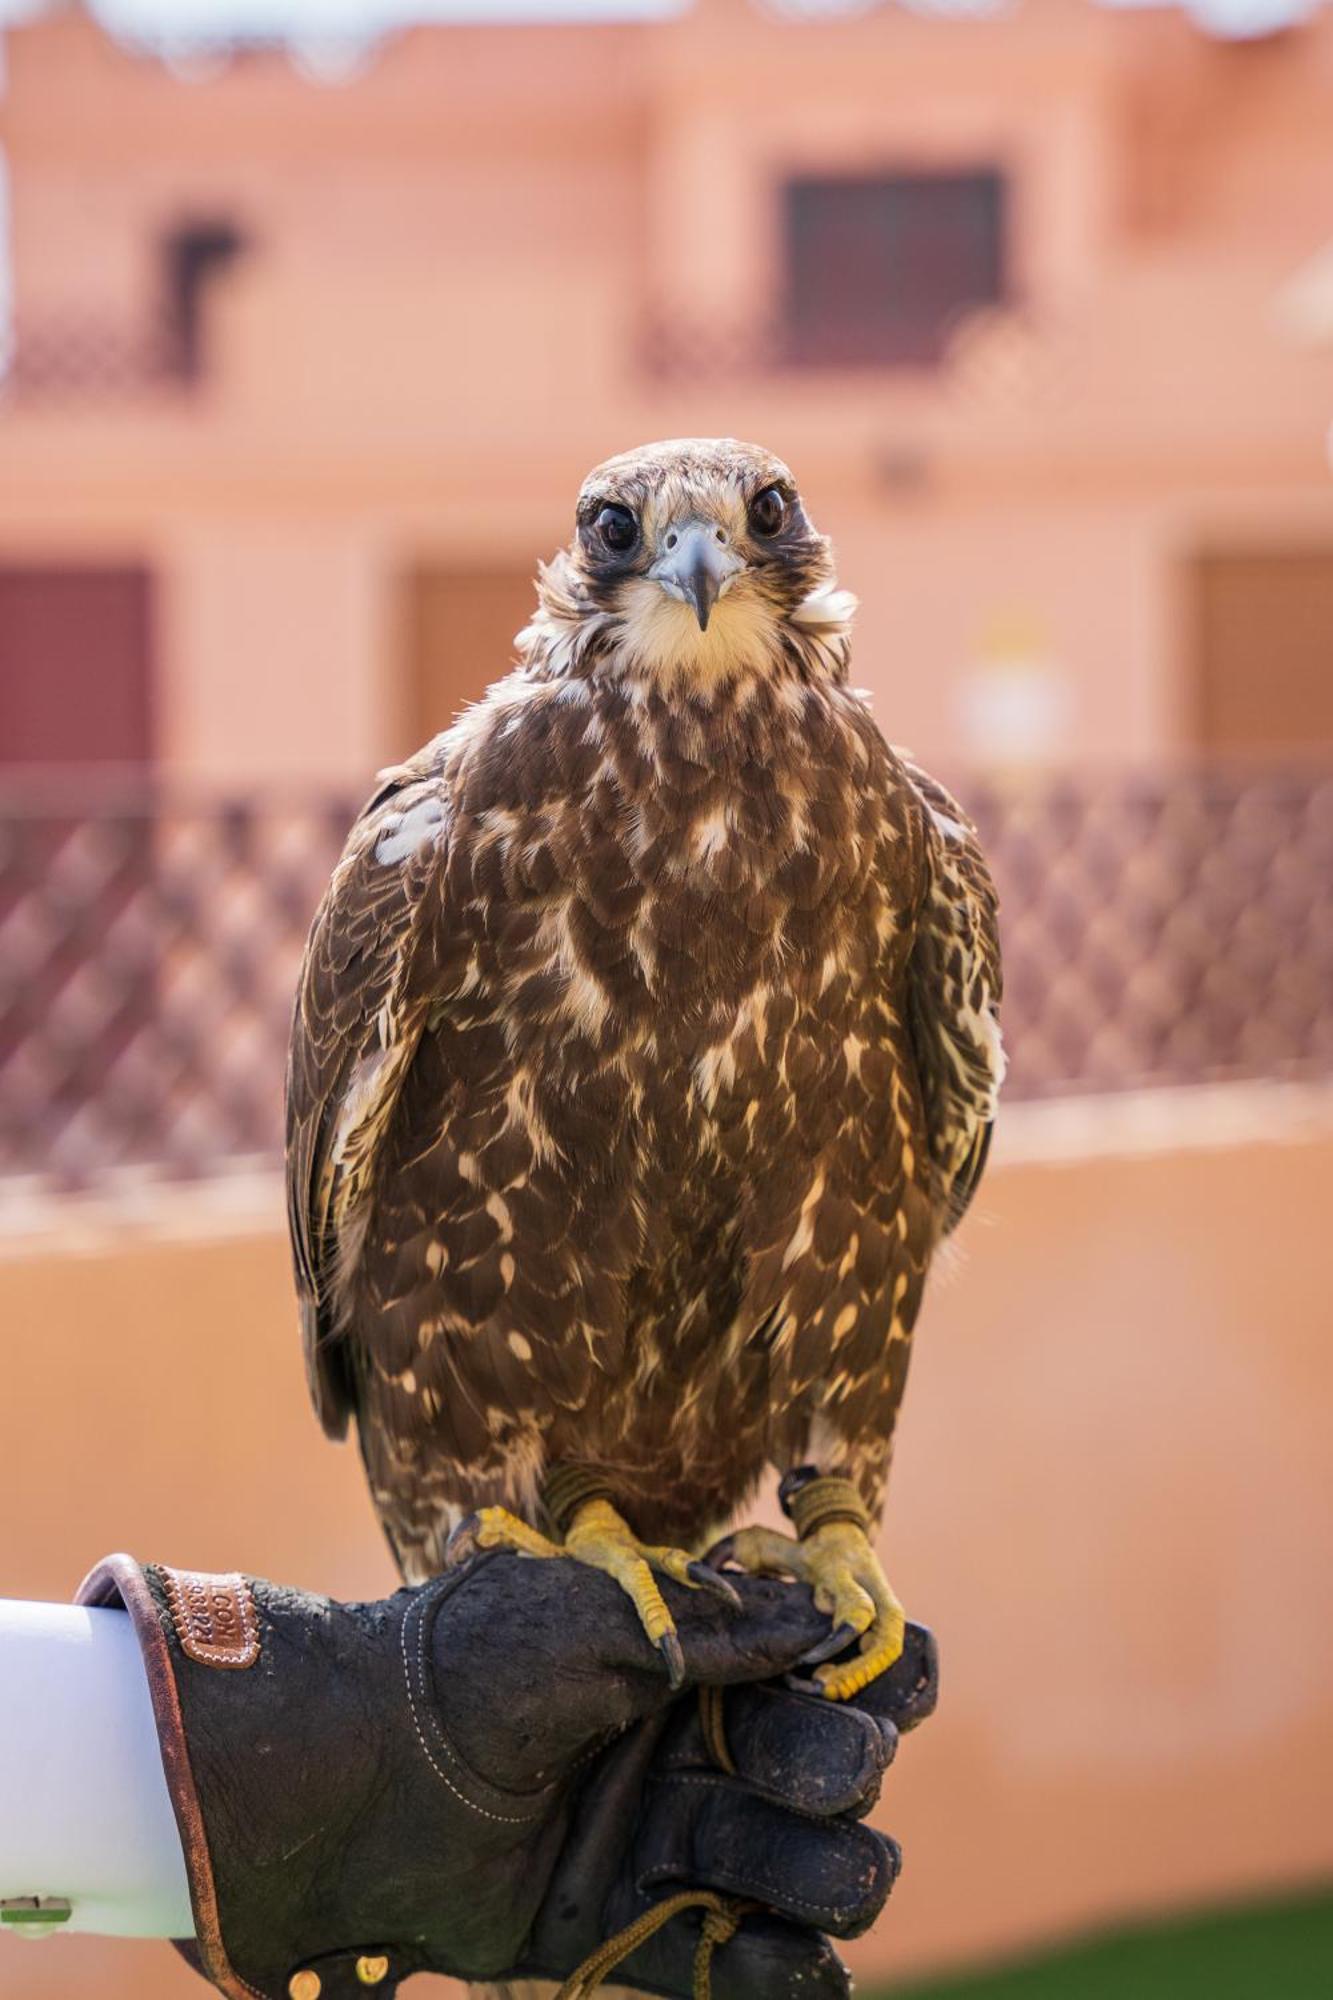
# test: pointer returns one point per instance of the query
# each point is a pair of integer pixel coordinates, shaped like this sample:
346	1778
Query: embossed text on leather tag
214	1617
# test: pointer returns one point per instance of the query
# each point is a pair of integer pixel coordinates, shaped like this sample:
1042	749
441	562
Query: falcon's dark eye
768	512
617	528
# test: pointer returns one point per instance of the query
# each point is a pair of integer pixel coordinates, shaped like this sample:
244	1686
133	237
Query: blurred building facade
307	356
305	369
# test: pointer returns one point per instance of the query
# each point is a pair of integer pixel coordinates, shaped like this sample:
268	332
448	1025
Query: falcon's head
697	554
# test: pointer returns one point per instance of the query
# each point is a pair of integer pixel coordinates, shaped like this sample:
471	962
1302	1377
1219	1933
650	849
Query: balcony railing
1158	928
86	358
991	358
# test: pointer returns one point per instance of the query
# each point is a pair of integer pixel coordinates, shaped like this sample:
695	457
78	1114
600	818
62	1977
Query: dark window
75	666
879	269
80	908
194	255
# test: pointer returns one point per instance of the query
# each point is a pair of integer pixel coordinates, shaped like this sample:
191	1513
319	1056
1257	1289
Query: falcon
645	1049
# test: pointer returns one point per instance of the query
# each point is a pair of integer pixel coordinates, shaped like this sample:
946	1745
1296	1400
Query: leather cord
711	1721
722	1913
722	1918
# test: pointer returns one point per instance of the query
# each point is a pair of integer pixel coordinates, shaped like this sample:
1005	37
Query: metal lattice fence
84	357
1161	928
148	957
1164	928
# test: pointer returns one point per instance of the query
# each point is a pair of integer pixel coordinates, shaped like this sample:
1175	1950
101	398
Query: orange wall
1113	1500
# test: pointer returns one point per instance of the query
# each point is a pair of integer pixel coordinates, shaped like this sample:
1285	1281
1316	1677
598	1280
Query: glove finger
767	1959
832	1874
557	1656
569	1609
908	1692
813	1755
776	1624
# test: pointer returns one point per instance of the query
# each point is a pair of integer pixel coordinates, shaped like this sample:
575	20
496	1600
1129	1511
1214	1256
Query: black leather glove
489	1777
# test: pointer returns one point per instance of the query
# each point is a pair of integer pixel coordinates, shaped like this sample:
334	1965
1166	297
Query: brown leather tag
214	1617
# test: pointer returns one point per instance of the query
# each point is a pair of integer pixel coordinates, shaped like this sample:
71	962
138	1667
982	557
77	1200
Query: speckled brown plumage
644	1050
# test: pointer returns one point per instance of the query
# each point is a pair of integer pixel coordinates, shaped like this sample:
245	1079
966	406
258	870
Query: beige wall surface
1113	1501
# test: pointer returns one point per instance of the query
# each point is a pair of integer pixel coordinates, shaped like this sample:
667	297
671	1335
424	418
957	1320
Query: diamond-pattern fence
999	359
83	357
148	957
1159	928
1164	928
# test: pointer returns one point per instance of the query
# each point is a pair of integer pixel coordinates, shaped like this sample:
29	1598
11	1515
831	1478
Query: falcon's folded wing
365	988
954	985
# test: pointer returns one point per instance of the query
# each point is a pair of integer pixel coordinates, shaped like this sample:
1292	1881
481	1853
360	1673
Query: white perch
85	1817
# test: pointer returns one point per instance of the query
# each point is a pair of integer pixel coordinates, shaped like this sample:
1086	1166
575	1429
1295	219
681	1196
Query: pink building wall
439	326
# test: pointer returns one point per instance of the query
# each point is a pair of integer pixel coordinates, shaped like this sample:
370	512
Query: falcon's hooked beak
696	566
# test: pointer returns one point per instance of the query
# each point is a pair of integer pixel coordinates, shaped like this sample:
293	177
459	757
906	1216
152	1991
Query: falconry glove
487	1776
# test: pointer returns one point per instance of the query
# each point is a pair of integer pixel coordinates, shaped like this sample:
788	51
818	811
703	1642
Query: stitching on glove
505	1819
214	1616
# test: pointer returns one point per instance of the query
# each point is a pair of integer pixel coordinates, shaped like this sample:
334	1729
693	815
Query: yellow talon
844	1572
497	1528
841	1683
597	1535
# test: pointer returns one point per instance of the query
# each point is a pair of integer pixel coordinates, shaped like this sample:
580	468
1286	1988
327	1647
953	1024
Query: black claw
721	1552
462	1544
669	1647
826	1649
717	1586
791	1483
798	1685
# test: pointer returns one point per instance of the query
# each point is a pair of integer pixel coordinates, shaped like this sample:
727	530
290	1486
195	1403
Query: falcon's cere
645	1049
